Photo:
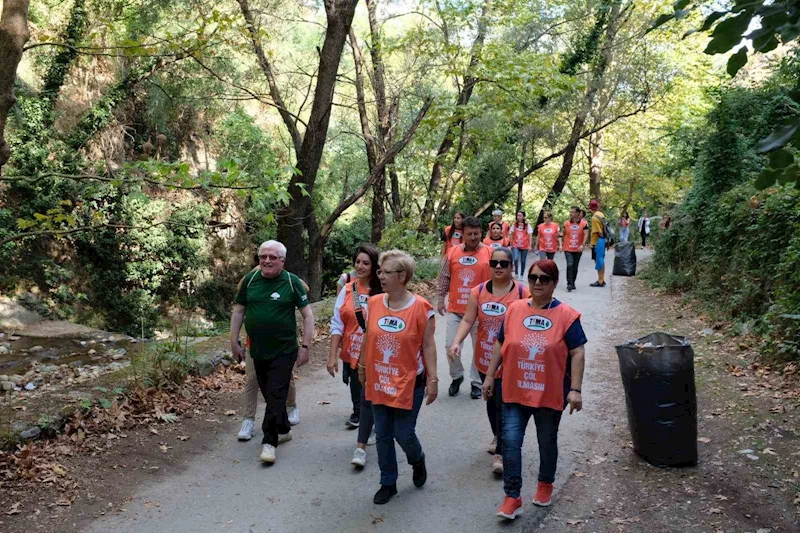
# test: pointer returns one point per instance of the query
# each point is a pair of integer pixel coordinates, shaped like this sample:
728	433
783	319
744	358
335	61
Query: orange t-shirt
491	310
393	354
520	238
496	244
535	354
456	239
548	237
352	335
467	269
574	235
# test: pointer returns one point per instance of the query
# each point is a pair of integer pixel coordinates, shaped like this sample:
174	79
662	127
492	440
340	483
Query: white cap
497	212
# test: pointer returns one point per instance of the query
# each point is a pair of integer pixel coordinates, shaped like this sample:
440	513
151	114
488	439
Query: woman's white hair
277	245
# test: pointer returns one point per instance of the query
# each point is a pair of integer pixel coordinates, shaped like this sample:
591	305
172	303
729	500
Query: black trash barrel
658	376
625	259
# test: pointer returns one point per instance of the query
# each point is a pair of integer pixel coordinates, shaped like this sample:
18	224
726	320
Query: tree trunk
598	75
456	122
14	34
595	164
396	203
297	213
378	208
521	181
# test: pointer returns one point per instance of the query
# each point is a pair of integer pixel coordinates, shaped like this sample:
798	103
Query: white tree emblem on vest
388	346
535	343
492	327
466	275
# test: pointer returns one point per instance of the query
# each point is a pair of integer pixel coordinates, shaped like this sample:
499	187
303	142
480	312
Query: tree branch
107	179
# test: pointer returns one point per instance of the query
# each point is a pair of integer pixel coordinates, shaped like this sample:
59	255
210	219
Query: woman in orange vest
454	233
397	366
495	238
540	347
488	303
346	335
548	238
520	242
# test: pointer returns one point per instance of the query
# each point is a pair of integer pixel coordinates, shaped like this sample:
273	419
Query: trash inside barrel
658	376
625	259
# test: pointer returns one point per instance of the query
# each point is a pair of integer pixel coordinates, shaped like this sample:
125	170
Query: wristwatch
575	390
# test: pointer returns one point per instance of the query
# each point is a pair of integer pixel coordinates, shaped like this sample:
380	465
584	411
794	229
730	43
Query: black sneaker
454	386
352	422
384	494
420	474
597	284
476	392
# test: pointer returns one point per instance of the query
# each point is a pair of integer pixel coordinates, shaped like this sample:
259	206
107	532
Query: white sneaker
246	433
371	440
285	437
268	454
359	458
294	415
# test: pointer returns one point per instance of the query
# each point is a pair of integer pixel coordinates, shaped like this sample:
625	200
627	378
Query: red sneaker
511	508
544	494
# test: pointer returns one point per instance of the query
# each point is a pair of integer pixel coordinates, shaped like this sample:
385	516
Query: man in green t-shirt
266	304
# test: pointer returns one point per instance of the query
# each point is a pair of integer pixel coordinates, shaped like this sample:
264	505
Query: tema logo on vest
493	309
537	323
391	324
468	260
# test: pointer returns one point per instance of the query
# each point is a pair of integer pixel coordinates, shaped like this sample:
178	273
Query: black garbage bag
625	259
658	376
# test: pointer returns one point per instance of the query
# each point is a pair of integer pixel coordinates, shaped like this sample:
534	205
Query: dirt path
209	481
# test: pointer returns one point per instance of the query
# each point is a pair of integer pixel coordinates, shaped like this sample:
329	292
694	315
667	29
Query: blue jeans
393	424
623	234
519	256
515	421
600	254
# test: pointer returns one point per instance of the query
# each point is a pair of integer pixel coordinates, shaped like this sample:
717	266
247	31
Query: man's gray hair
497	212
274	244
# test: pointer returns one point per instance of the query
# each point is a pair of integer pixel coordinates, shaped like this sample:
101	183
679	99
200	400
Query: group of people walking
528	347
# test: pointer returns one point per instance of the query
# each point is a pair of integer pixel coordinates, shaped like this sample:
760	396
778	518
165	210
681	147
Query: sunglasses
543	279
494	263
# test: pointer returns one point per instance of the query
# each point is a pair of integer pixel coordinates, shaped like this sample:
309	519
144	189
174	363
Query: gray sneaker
248	426
294	415
284	437
359	458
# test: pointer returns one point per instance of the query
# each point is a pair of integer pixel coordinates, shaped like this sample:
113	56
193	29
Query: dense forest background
153	144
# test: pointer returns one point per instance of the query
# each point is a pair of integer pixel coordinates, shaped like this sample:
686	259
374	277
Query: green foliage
403	235
734	247
342	243
167	365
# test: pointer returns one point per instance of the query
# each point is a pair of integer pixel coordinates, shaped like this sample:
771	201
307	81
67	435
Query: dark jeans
573	260
644	239
550	255
367	420
350	376
273	380
515	420
393	424
494	410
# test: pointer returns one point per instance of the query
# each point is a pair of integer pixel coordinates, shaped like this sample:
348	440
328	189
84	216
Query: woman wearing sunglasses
487	304
541	350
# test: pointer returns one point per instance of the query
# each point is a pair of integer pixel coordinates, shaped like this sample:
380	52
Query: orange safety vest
393	354
455	240
520	238
467	269
574	235
491	310
506	227
352	335
496	244
535	354
548	237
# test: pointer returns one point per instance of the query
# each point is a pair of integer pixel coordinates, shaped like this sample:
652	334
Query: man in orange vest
464	267
576	236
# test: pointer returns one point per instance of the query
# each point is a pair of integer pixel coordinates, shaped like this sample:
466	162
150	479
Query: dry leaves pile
95	430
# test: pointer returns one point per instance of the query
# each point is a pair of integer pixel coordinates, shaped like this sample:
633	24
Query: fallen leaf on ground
578	474
230	412
573	522
164	447
323	402
624	520
715	510
183	437
769	451
704	440
14	509
154	431
63	502
720	497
